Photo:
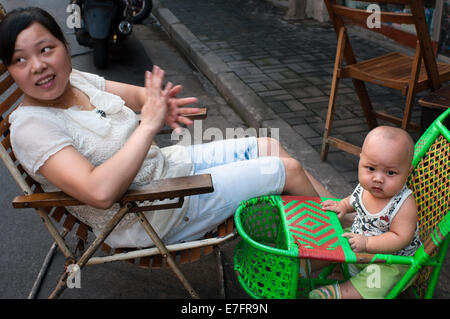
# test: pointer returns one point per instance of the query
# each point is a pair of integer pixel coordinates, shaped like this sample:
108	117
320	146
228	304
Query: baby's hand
357	242
335	206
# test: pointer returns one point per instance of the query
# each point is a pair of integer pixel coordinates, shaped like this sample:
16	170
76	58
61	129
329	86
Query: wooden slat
58	213
355	73
10	100
390	1
2	68
4	124
395	120
106	248
6	83
342	145
385	17
184	257
82	231
69	222
439	99
207	250
144	262
156	261
195	254
392	70
230	225
7	142
13	158
31	182
222	230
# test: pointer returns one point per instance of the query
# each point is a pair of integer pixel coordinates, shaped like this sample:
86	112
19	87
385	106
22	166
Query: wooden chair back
395	70
339	14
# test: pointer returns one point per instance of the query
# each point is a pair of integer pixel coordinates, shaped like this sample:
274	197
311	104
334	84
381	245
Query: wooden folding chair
52	204
393	70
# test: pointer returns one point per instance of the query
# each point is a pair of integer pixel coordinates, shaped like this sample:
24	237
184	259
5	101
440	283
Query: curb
247	103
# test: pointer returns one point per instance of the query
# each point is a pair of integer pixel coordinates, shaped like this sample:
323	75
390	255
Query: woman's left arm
133	95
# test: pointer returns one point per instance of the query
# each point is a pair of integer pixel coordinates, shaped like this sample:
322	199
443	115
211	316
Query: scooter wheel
101	53
143	9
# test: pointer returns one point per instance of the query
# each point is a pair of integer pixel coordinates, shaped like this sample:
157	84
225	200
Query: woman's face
40	64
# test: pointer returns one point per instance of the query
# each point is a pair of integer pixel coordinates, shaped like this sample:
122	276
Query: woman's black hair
18	20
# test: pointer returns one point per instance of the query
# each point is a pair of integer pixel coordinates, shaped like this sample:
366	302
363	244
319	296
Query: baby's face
383	168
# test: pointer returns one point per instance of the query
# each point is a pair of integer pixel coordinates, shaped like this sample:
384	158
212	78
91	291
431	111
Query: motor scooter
104	22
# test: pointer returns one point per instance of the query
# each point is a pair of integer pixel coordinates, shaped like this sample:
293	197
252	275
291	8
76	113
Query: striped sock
326	292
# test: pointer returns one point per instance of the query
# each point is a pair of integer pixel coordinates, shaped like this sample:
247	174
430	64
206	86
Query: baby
386	213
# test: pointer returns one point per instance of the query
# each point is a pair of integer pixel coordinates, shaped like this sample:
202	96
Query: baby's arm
341	207
399	235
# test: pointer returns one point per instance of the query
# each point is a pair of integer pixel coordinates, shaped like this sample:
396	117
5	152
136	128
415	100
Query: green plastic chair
278	232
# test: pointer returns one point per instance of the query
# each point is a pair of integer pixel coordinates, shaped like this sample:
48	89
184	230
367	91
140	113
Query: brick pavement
288	65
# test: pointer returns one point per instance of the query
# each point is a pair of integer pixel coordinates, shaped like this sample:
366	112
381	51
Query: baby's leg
345	290
348	291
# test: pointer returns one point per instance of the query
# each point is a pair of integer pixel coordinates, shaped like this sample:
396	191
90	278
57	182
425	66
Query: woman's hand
155	109
176	109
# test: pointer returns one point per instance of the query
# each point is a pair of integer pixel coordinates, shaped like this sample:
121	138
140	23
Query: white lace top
39	132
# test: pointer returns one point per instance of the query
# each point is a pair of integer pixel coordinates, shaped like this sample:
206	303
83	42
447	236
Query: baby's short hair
392	133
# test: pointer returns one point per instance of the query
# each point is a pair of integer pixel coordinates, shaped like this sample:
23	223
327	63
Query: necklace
75	97
59	104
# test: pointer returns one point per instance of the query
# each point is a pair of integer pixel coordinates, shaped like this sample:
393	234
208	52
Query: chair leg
61	285
366	105
165	253
42	272
44	268
415	70
333	92
220	271
408	109
329	121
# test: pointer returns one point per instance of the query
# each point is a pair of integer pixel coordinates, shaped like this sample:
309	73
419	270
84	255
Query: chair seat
392	70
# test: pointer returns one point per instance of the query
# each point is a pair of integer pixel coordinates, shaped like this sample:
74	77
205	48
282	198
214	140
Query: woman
77	132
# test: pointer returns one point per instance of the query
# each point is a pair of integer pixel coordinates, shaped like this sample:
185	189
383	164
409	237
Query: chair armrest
201	115
157	190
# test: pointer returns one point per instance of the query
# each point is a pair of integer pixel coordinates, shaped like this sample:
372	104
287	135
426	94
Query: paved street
255	70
